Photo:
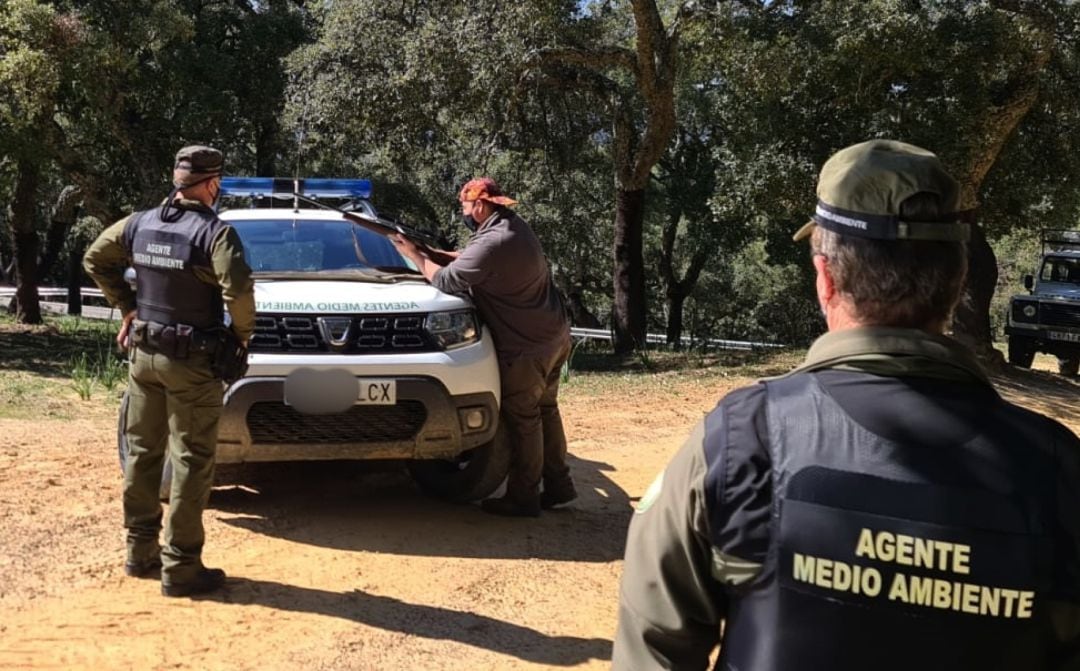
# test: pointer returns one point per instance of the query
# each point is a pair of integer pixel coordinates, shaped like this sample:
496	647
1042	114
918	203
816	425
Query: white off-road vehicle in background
355	355
1048	319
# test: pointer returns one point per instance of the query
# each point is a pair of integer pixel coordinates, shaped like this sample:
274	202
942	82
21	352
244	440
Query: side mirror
1029	282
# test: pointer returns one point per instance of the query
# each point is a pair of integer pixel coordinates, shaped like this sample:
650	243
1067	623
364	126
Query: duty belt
176	341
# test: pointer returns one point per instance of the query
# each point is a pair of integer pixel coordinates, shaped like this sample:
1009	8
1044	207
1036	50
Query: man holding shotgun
504	268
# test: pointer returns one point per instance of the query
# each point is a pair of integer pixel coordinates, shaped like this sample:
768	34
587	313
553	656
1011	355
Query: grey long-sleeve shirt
503	266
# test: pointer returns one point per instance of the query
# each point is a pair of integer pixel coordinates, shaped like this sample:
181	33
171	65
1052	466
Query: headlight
452	329
1025	312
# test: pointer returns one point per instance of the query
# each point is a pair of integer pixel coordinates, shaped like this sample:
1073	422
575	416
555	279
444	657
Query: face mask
470	223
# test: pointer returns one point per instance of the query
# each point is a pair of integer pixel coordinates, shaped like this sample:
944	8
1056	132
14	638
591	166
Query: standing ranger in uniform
189	266
503	266
881	507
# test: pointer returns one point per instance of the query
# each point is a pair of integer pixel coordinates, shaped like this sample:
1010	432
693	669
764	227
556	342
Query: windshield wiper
369	274
397	269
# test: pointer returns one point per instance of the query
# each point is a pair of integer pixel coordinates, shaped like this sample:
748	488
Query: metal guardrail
660	339
8	292
580	334
56	307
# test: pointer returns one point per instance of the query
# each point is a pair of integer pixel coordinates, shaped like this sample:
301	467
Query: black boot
558	495
143	568
508	507
206	580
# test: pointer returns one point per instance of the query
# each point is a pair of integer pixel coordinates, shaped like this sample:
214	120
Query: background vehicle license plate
1061	335
377	392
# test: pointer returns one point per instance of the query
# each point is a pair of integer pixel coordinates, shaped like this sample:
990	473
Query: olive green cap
860	190
196	163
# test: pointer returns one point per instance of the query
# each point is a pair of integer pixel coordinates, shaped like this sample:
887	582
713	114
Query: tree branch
597	60
650	43
1037	12
999	122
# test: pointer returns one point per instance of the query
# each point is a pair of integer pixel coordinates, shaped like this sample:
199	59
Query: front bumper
1057	341
427	422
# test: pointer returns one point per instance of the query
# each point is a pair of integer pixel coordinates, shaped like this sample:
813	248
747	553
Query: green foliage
101	95
99	366
756	298
421	96
44	368
82	376
1017	255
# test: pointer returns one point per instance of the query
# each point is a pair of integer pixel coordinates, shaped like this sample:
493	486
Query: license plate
320	392
1062	335
377	392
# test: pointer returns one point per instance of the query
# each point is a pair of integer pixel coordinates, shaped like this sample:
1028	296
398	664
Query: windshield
1061	269
307	245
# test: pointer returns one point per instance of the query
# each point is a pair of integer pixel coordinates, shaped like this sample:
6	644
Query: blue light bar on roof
283	187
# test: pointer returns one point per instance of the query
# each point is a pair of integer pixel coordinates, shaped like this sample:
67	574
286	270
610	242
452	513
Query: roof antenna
300	150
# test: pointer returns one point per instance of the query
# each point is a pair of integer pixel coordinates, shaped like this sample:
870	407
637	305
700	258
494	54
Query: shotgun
426	242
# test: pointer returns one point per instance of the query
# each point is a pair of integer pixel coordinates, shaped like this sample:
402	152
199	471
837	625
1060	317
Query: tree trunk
999	122
74	293
25	243
628	308
579	313
971	323
64	214
266	151
676	300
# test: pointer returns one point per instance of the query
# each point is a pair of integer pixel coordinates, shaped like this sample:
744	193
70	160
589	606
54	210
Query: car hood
327	297
1059	290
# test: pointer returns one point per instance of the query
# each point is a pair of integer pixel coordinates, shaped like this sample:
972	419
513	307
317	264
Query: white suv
355	355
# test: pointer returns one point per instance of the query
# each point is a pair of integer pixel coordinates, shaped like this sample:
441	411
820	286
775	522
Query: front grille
342	334
1059	314
271	423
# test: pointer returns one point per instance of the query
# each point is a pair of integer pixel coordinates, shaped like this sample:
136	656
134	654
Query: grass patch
594	372
68	366
63	368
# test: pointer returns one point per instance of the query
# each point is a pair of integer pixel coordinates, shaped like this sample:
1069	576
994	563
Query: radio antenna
300	137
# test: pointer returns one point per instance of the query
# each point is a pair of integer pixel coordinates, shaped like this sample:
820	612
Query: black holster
172	340
228	360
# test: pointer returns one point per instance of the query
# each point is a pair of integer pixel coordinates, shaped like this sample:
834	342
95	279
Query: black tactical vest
899	556
165	255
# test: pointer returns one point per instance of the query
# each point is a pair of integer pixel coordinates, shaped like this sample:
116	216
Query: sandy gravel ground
347	567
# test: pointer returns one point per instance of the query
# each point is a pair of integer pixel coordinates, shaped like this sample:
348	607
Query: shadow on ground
1043	392
430	622
376	507
48	349
591	360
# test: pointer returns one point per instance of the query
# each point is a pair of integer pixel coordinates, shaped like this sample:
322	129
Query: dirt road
342	567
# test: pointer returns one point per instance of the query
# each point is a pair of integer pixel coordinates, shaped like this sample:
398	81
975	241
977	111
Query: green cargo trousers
530	408
173	411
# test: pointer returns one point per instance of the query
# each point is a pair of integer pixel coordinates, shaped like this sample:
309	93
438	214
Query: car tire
1021	353
473	475
121	443
1070	366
